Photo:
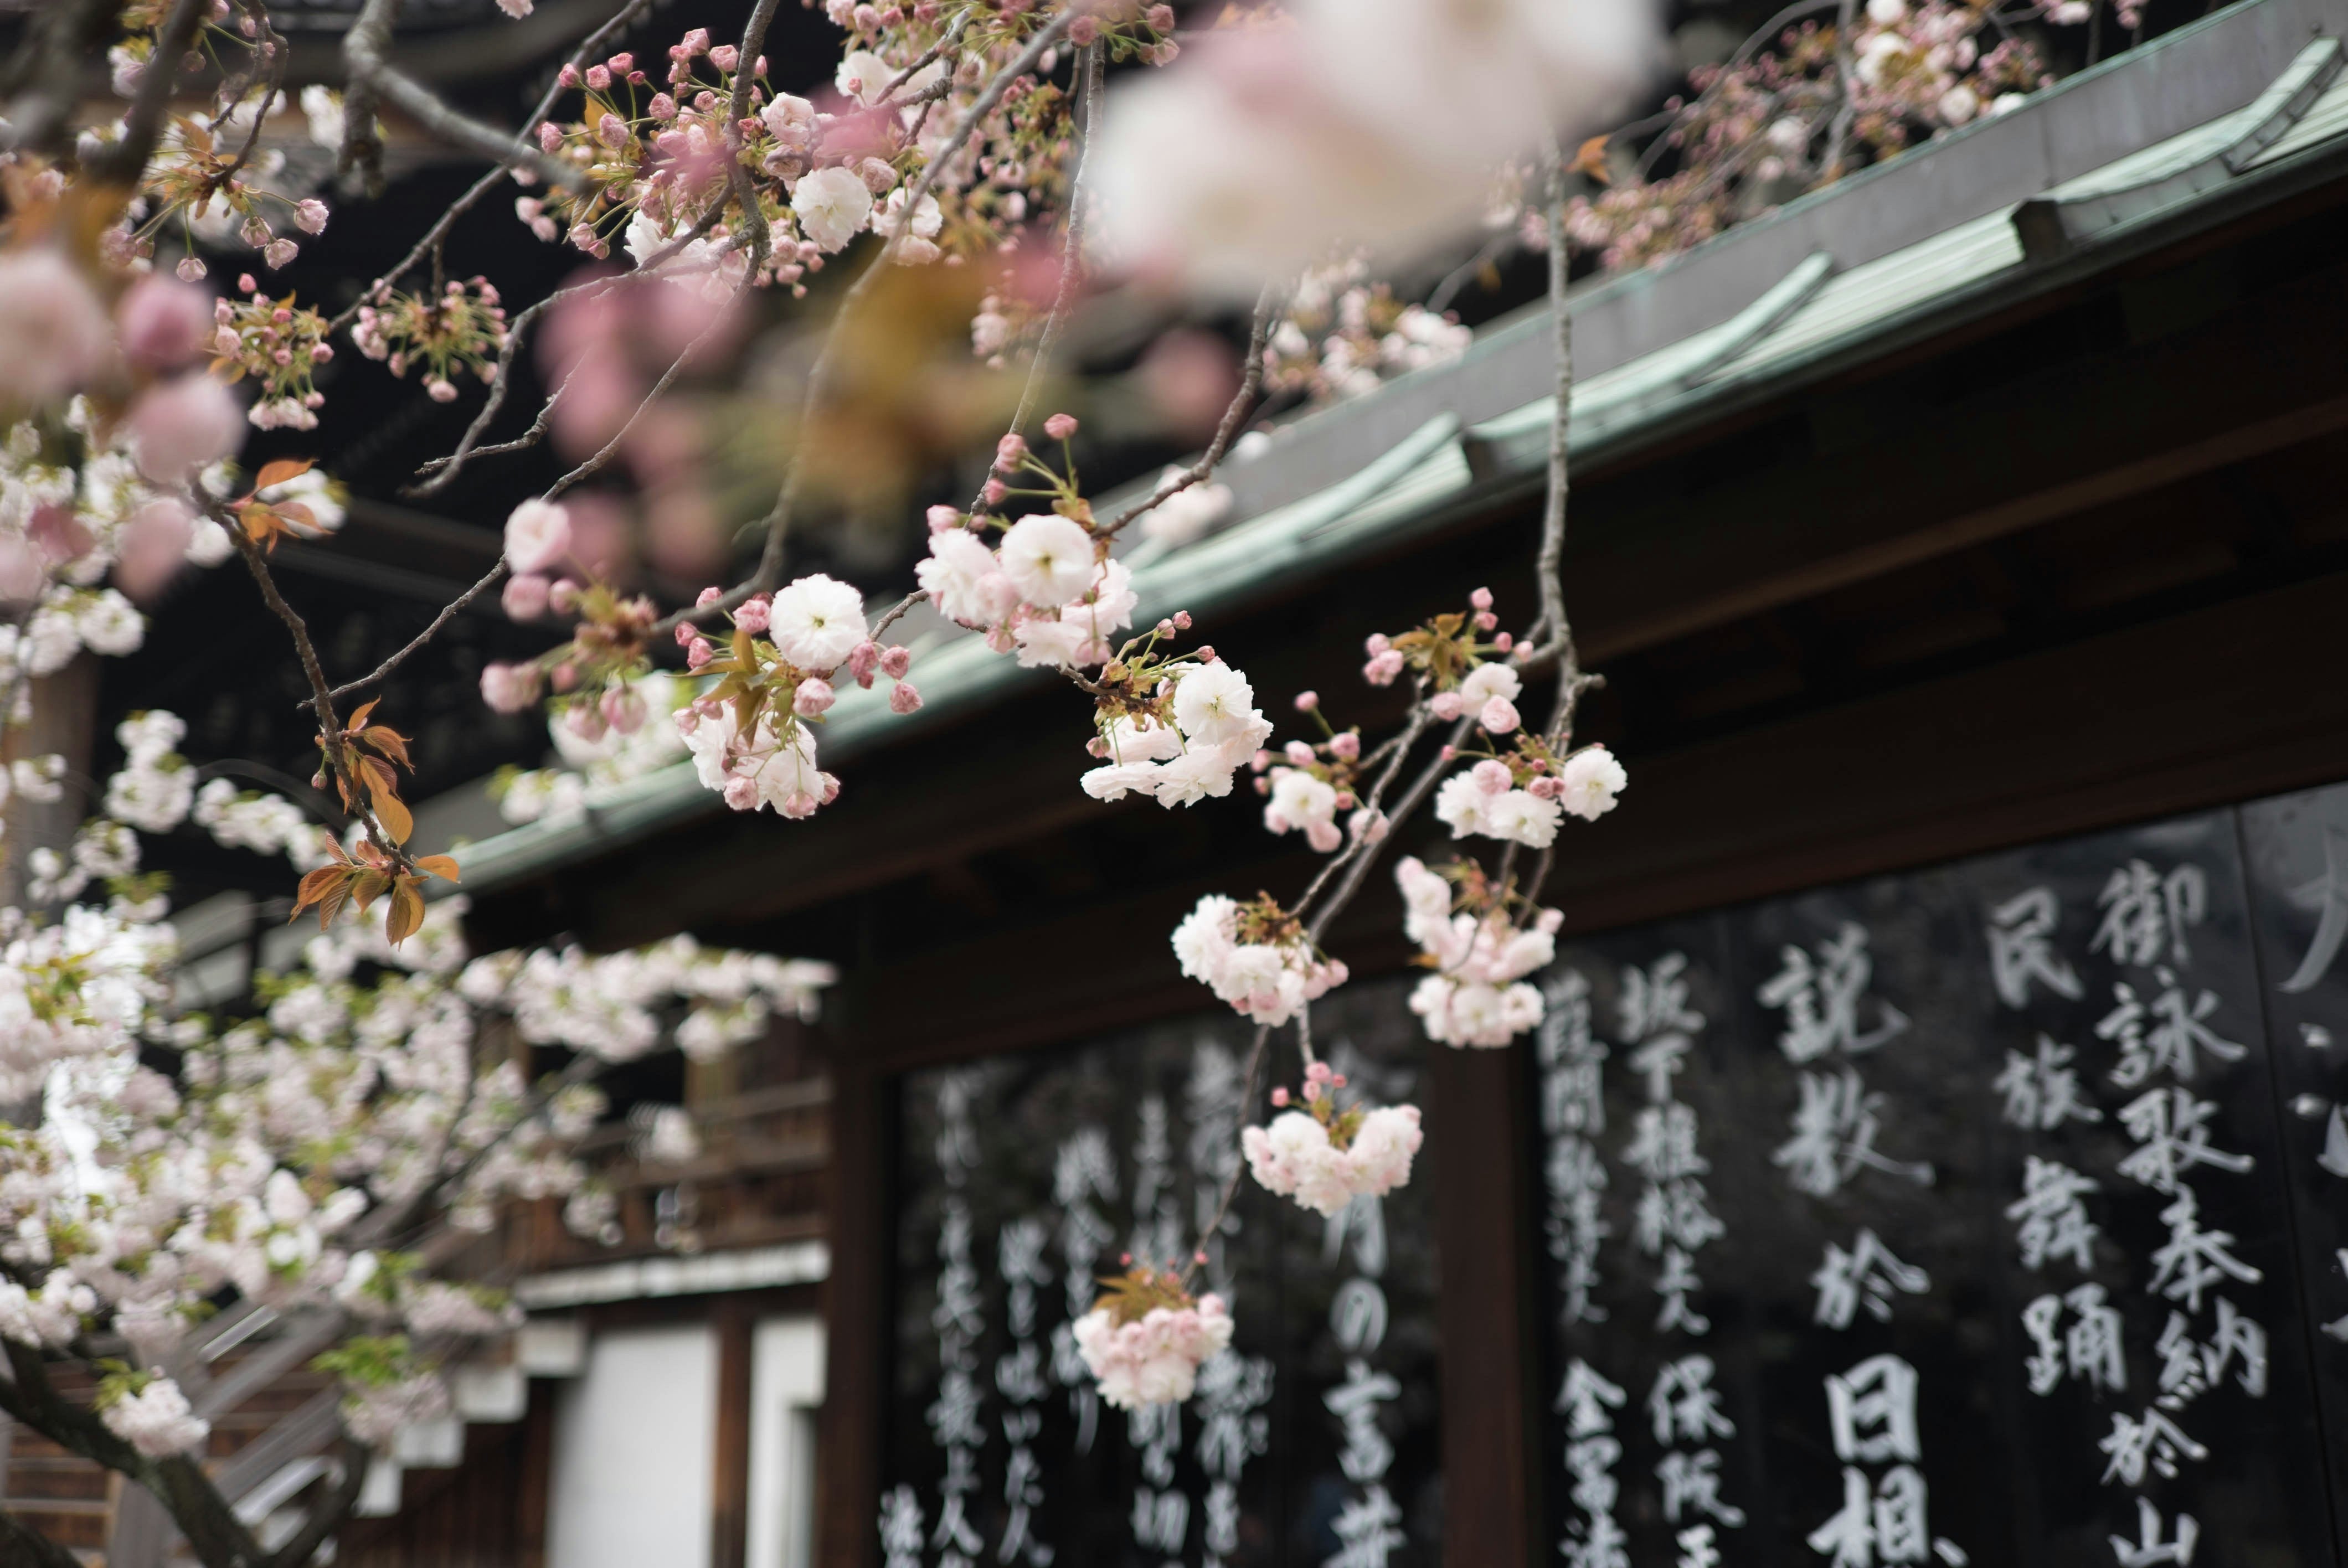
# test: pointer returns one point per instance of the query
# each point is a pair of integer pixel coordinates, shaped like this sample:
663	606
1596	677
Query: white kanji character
2146	913
1585	1399
1867	1270
1820	1000
2042	1093
2171	1128
2148	1548
1691	1484
2019	951
2194	1259
1872	1409
2175	1040
2154	1443
1684	1402
2053	1221
1834	1134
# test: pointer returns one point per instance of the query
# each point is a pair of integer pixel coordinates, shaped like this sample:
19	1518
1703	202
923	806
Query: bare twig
364	49
122	162
1208	1232
1072	244
448	612
1267	306
1428	777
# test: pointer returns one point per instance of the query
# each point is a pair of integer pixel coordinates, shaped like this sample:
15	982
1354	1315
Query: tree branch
122	162
21	1543
1267	306
331	1511
448	612
363	52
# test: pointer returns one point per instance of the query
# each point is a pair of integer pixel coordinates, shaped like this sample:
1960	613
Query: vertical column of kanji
1019	1248
2165	1049
1161	1511
956	1416
1847	1156
1675	1222
1084	1177
1234	1388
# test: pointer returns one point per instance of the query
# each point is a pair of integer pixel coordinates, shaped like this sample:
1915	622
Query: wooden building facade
1966	536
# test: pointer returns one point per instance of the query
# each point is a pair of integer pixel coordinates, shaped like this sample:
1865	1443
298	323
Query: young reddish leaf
297	514
359	718
278	472
326	887
393	813
440	866
1589	158
368	886
389	741
406	911
377	775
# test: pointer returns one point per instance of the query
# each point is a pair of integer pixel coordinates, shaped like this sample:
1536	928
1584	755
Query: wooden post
1483	1309
729	1506
856	1321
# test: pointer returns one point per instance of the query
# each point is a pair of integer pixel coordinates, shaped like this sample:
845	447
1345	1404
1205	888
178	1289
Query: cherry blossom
1326	1158
1147	1338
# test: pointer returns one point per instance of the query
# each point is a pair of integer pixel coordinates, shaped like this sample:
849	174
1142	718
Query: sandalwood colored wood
729	1504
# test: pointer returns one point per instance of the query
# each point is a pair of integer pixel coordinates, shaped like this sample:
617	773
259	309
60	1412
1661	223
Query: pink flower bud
755	614
1206	653
662	107
1505	640
799	806
1084	30
1307	701
742	794
941	517
1487	621
1338	1081
726	56
1444	705
191	269
563	597
895	661
1260	761
994	491
903	698
1298	751
565	677
707	596
510	688
700	653
586	721
1500	716
685	633
1060	427
862	659
814	696
622	63
695	43
245	285
1011	451
1481	598
623	709
1280	1096
1348	745
568	75
1160	18
1181	620
1492	776
1545	788
1382	669
1378	642
1318	1072
525	596
310	216
1449	752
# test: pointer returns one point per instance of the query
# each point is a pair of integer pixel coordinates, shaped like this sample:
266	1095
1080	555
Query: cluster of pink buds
279	344
1309	784
1449	655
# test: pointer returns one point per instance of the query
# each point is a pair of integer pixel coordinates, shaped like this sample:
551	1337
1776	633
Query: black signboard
1022	1181
1975	1215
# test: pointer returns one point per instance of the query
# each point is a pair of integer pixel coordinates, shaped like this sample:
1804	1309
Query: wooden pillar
856	1319
1484	1309
729	1504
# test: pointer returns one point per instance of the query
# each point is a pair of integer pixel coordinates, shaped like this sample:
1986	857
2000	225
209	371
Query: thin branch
1208	1232
122	162
448	612
321	700
1426	781
897	613
595	465
364	49
44	75
21	1543
592	46
1072	245
737	178
1250	385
